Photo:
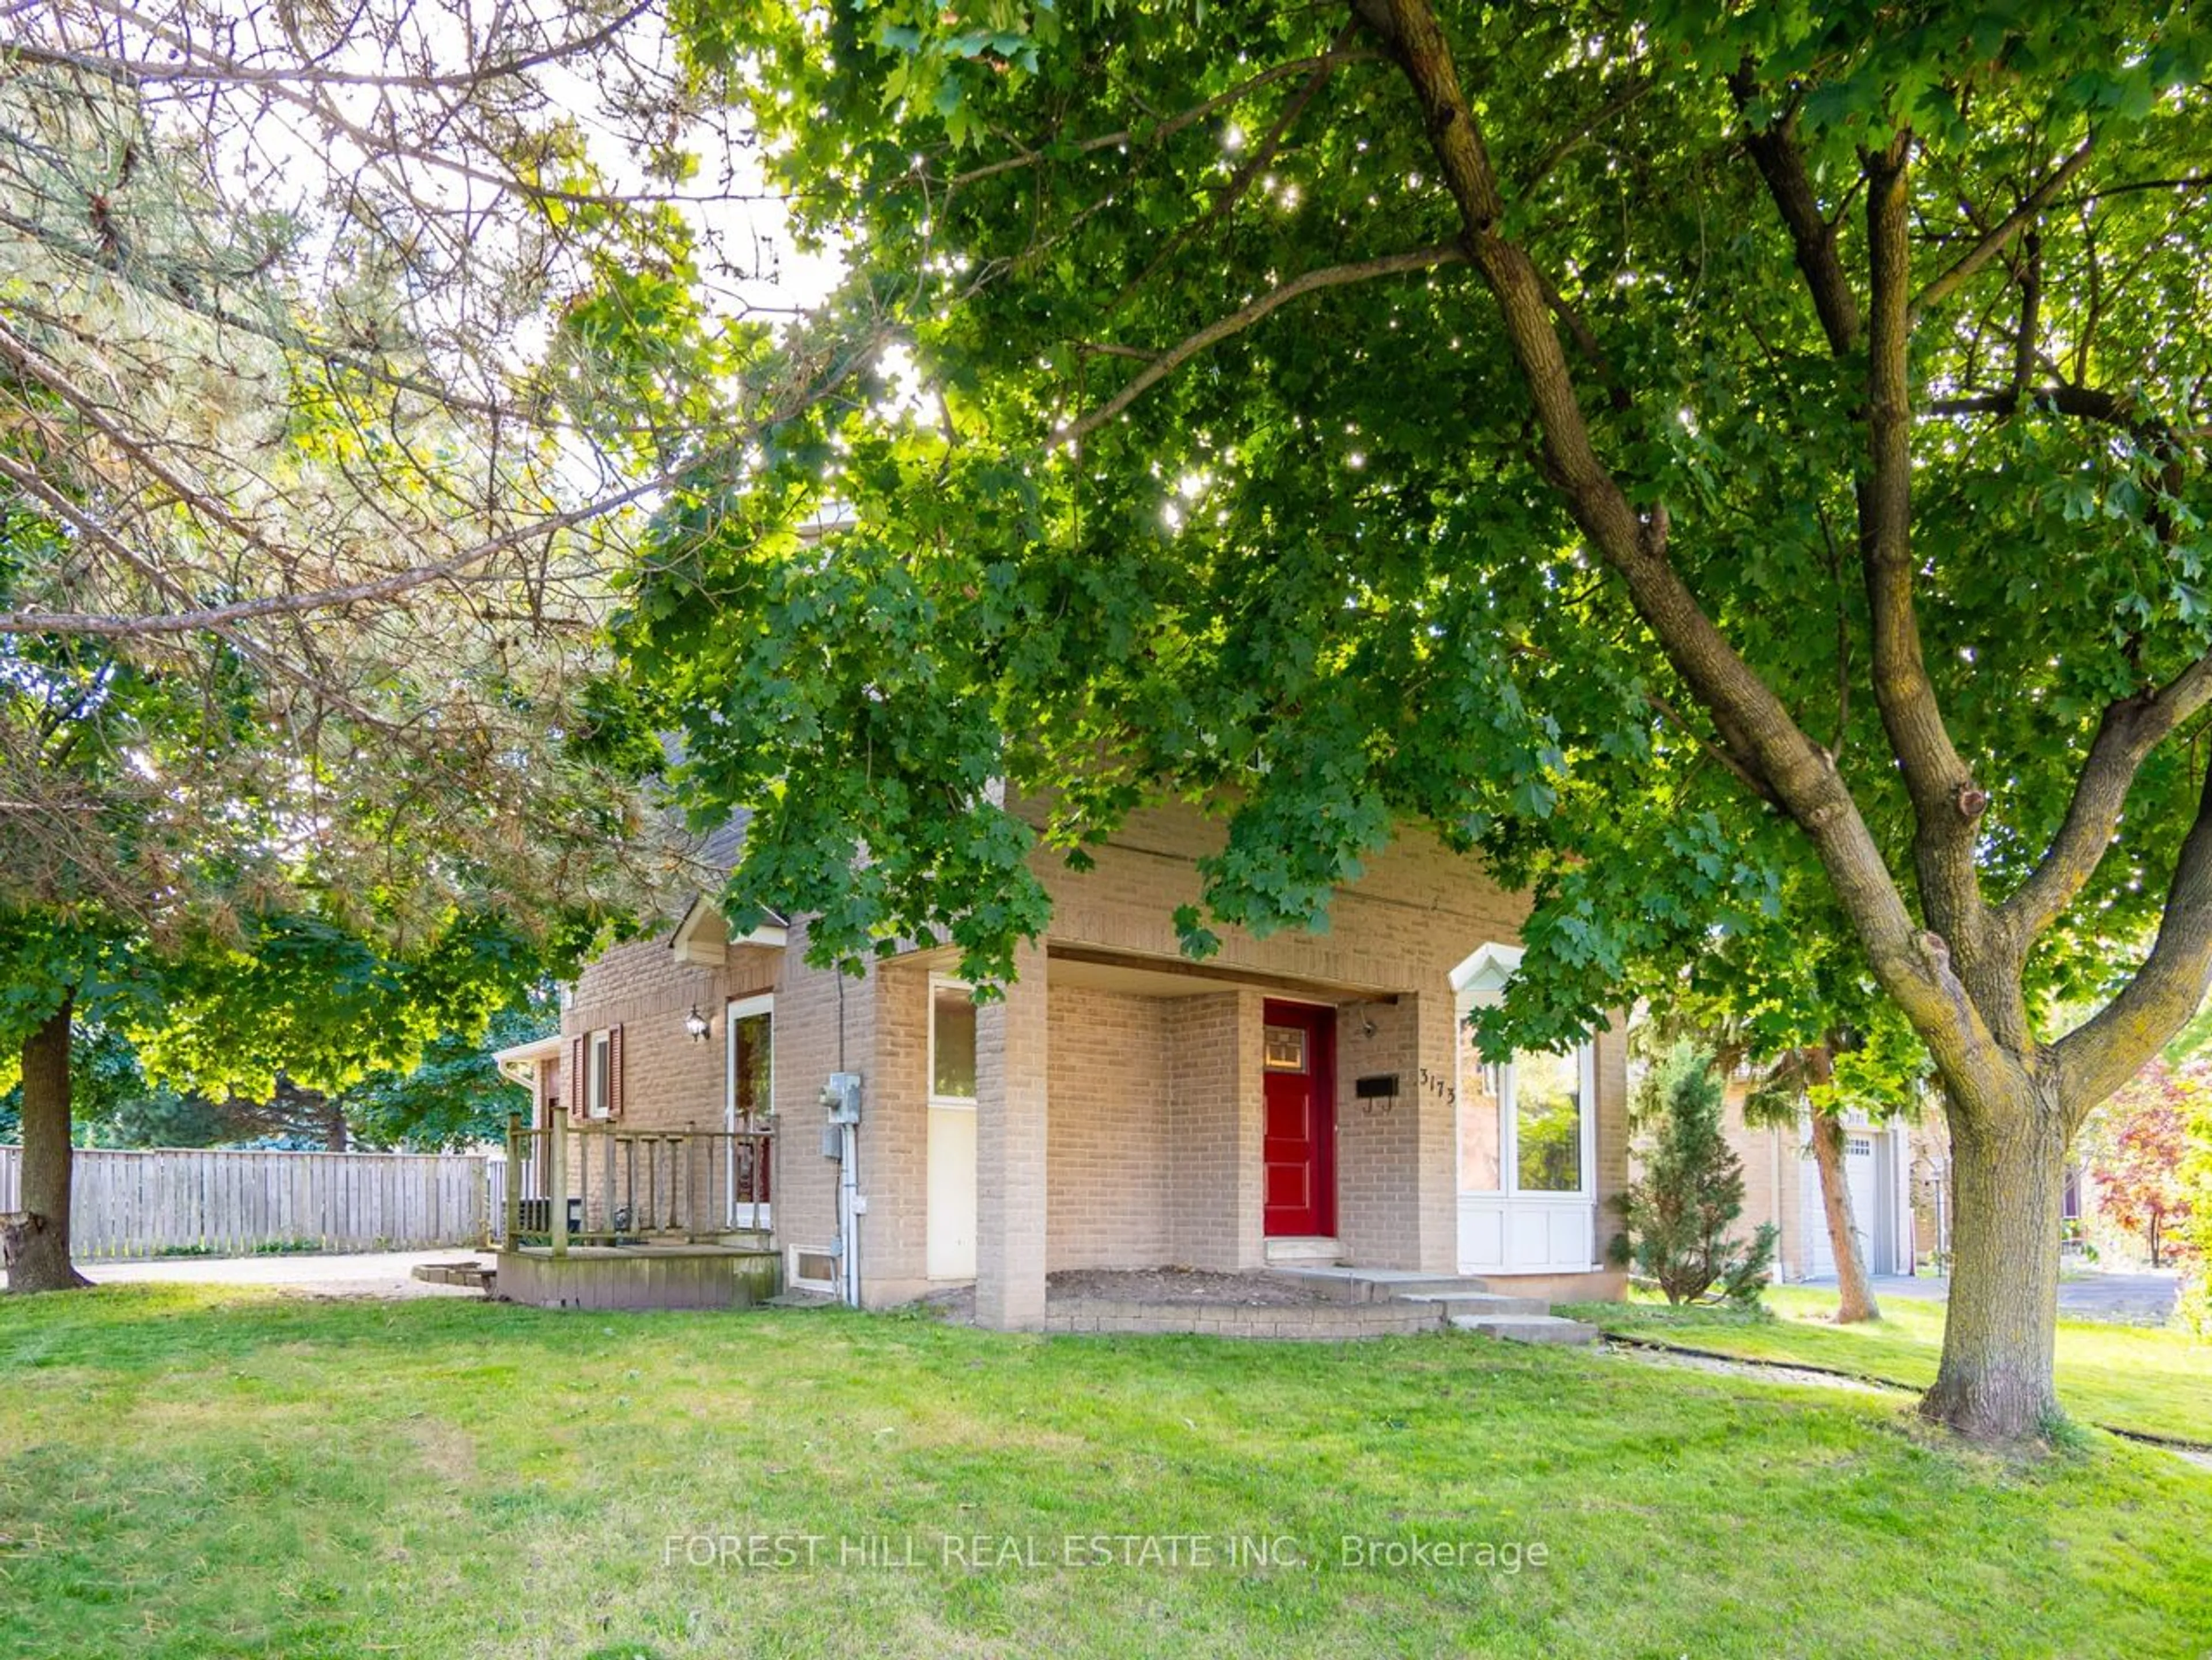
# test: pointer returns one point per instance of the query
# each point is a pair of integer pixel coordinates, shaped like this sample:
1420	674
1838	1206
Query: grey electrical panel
841	1097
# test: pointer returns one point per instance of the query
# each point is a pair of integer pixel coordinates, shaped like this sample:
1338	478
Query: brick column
1216	1118
1011	1076
1436	1150
1251	1104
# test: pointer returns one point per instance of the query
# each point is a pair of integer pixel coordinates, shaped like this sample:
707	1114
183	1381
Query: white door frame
736	1009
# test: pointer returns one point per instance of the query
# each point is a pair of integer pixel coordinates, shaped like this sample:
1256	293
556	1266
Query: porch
1123	1114
600	1216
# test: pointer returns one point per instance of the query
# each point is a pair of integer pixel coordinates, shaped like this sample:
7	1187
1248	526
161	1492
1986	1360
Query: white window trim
598	1081
946	1103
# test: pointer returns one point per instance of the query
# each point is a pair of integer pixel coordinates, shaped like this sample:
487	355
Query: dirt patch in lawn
1765	1371
1176	1287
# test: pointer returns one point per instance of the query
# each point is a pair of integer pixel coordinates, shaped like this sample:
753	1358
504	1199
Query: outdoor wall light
697	1025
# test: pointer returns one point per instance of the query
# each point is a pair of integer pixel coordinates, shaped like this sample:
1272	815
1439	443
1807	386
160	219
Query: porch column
1010	1069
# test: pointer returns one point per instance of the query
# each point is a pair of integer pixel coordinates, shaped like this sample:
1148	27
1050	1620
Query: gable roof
703	937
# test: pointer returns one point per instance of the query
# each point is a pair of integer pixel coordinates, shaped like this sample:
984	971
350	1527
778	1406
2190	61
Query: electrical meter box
841	1097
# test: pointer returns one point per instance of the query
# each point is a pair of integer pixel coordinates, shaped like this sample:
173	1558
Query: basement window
808	1269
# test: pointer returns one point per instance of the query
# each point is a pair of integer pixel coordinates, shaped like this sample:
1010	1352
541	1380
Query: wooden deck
648	1276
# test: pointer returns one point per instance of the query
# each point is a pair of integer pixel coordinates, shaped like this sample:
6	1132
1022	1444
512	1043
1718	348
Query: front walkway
380	1273
2133	1299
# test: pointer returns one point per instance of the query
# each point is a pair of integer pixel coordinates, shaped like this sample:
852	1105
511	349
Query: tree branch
2107	1049
1736	765
1775	152
1359	270
1912	967
1320	63
389	587
197	71
2000	235
306	93
1255	165
2129	730
2118	408
1946	803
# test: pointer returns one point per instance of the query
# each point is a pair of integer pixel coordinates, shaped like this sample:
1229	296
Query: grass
192	1472
2130	1377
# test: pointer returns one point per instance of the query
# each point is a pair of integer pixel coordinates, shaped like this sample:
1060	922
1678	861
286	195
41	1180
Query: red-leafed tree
2136	1151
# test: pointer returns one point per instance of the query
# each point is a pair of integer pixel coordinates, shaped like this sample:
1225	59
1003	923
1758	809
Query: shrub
1677	1214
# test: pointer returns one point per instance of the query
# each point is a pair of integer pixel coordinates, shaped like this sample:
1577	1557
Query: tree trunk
1855	1300
37	1237
1995	1383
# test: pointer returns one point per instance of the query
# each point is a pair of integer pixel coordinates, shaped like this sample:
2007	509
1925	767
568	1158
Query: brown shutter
580	1055
614	1073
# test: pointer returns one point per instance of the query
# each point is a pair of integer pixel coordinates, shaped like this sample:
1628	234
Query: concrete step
1478	1303
474	1275
1377	1285
1311	1252
1431	1285
1528	1329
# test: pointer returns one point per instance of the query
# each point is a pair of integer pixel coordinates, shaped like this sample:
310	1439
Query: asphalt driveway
381	1273
2135	1299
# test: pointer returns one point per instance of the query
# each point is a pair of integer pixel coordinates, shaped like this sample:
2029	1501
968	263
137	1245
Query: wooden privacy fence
217	1202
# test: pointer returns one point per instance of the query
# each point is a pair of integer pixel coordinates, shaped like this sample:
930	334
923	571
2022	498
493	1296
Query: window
1481	1119
1523	1126
1547	1122
1285	1048
749	1024
599	1098
809	1269
951	1042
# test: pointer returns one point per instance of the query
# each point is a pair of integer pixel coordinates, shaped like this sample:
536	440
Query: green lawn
2130	1377
184	1472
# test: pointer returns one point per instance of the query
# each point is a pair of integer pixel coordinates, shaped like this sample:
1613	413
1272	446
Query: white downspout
848	1212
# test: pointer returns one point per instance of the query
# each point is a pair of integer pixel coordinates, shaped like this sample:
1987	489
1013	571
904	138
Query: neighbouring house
1307	1098
1884	1164
2080	1224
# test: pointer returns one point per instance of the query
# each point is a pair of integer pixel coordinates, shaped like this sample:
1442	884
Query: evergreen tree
1678	1214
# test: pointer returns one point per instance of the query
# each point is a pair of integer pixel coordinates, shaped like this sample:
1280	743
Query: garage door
1862	1170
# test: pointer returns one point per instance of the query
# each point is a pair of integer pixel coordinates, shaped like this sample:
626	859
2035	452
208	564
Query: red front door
1298	1149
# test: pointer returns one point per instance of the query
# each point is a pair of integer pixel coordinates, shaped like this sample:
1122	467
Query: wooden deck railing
629	1186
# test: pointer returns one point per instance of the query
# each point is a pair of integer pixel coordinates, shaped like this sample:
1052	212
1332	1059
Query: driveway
2135	1300
382	1274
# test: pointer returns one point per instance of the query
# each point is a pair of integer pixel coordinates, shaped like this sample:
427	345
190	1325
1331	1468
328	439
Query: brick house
1304	1099
1885	1164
